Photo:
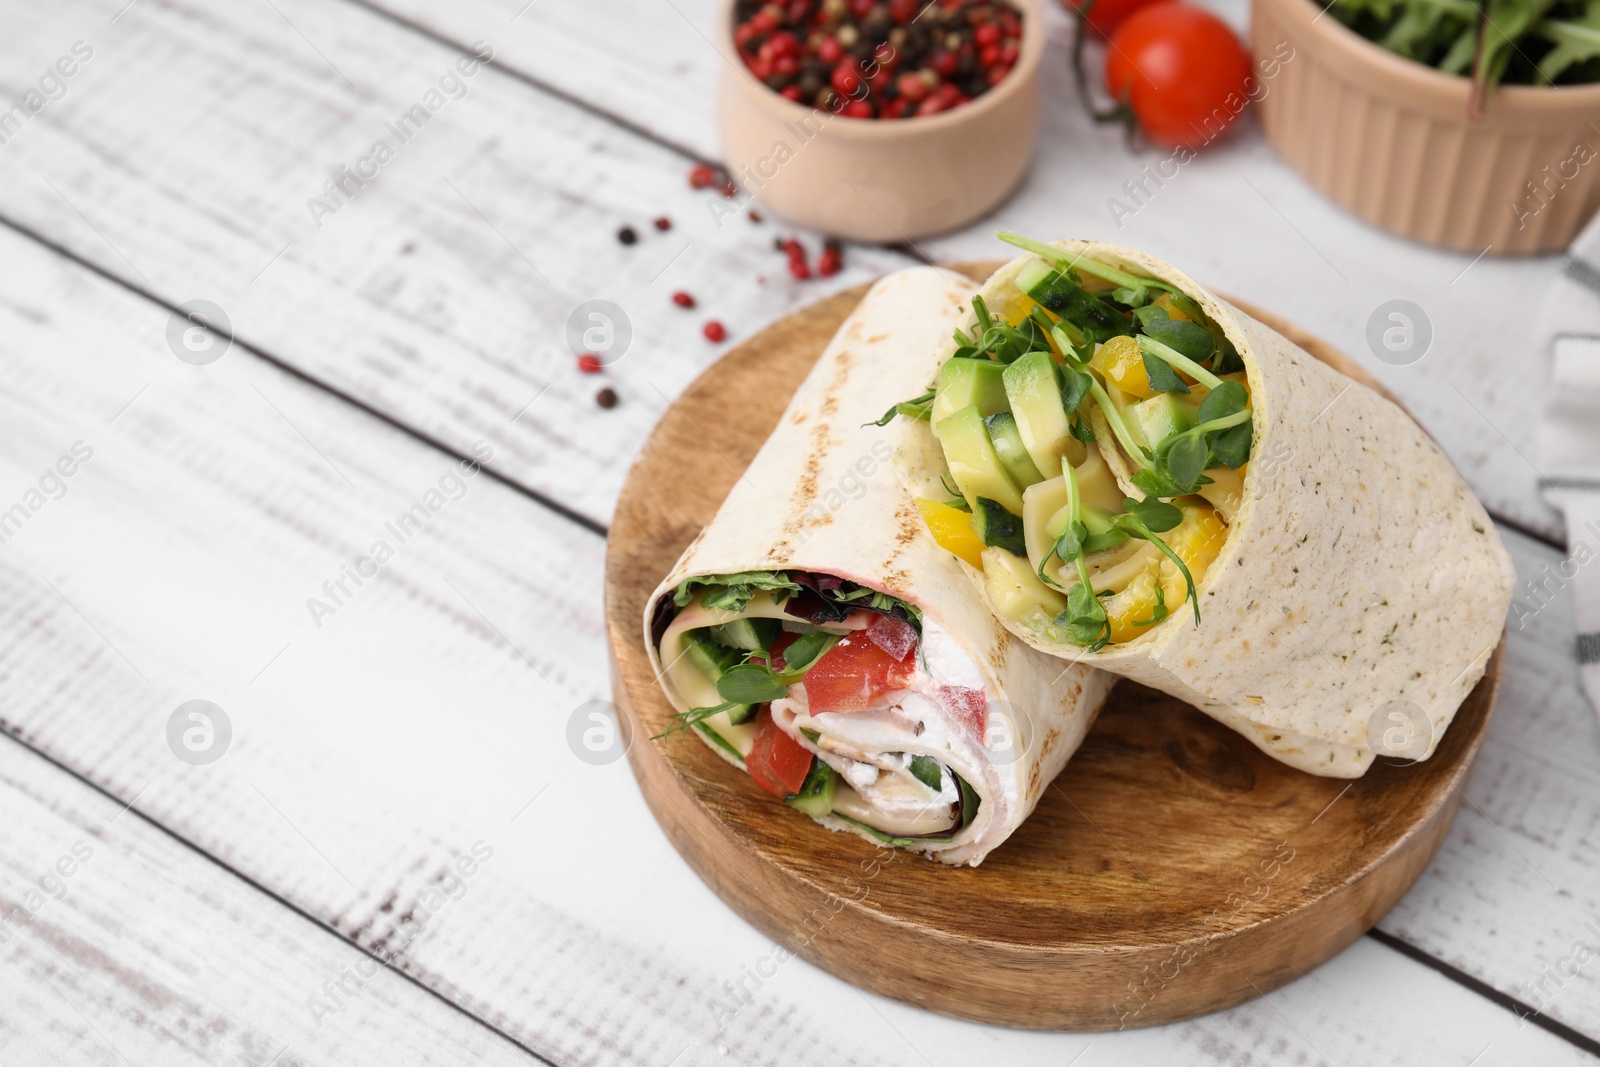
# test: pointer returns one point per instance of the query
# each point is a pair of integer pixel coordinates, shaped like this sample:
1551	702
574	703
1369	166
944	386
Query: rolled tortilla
1359	578
821	500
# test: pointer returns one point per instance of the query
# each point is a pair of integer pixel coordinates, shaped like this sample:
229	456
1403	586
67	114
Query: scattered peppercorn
702	176
589	363
755	216
606	398
683	299
832	259
715	331
663	224
872	59
797	259
627	235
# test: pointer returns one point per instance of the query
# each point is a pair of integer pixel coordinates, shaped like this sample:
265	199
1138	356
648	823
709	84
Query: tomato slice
778	763
856	674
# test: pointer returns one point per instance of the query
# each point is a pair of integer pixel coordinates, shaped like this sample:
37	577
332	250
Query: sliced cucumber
719	742
972	459
1158	418
1069	301
968	381
752	635
817	791
712	658
997	527
709	655
1008	445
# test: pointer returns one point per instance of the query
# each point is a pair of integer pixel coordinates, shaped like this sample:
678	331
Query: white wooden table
299	901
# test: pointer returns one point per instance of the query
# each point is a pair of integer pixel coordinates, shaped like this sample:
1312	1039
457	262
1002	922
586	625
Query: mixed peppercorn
866	59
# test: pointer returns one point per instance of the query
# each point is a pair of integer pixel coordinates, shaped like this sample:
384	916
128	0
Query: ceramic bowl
880	180
1389	139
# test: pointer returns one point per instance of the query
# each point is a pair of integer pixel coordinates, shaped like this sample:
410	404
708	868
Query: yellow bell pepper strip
952	530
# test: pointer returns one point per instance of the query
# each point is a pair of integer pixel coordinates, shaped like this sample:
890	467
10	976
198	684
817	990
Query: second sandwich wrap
1143	477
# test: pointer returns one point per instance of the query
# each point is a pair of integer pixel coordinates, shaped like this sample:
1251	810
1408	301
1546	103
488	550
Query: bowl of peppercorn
880	120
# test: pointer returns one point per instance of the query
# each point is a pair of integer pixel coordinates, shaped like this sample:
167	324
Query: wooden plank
439	295
371	752
120	945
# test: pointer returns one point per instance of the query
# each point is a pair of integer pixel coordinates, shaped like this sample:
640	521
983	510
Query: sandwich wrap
1352	584
924	723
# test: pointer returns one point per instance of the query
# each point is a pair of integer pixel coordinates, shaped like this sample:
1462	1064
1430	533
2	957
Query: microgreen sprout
755	682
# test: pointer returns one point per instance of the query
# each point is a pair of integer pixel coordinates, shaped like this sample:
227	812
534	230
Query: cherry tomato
1104	16
777	762
855	674
1181	70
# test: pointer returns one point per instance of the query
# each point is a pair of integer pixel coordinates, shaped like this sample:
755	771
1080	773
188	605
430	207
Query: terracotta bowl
881	180
1389	139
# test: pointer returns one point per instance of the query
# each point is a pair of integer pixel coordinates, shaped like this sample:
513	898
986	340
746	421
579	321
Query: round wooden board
1173	869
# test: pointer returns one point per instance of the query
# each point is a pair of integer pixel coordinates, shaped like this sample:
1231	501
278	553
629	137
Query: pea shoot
755	682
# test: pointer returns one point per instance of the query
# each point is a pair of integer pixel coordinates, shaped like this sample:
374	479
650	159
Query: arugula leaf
1163	379
1576	40
928	771
732	592
883	601
970	801
1082	430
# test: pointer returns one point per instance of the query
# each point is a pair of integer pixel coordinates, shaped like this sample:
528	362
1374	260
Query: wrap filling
836	698
1095	429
